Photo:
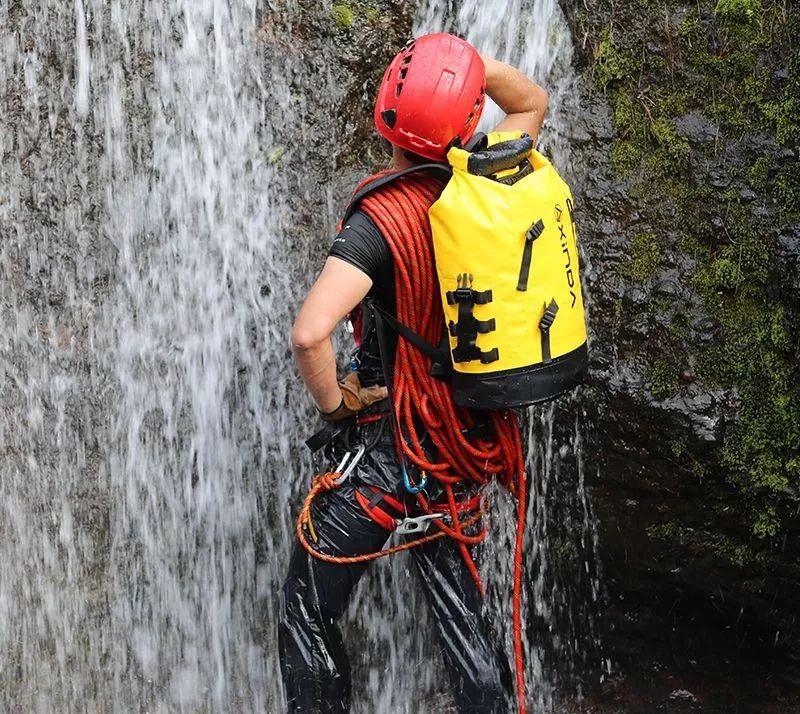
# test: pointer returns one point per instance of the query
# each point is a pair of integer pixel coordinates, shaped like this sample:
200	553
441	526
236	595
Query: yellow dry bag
507	261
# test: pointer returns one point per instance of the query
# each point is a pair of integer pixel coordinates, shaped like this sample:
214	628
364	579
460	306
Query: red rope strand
400	210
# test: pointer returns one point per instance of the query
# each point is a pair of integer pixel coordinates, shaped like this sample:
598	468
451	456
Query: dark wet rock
676	509
593	124
695	127
719	179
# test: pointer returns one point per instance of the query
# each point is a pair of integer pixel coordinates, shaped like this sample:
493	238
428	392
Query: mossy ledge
727	71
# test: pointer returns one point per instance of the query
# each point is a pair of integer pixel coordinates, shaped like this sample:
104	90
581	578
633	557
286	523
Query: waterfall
146	456
151	456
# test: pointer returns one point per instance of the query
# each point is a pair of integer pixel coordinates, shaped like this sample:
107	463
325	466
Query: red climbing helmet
432	95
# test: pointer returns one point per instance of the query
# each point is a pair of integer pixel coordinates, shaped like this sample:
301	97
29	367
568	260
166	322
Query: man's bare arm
338	289
523	101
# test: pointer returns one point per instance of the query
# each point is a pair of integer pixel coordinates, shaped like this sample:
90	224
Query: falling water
150	432
145	306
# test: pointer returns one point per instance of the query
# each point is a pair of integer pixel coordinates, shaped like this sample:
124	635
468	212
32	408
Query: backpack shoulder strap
436	354
387	179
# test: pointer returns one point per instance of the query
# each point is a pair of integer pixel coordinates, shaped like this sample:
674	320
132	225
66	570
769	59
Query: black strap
544	327
387	179
531	235
467	351
376	496
482	326
468	327
523	170
475	297
477	142
380	316
327	434
436	354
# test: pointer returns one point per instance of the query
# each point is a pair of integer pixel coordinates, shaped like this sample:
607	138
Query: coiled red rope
400	211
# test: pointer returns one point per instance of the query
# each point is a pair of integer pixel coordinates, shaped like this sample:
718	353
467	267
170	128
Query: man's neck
399	160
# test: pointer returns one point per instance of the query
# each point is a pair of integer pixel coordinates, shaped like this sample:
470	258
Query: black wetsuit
316	671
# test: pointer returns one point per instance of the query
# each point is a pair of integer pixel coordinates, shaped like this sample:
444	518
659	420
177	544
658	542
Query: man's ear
386	146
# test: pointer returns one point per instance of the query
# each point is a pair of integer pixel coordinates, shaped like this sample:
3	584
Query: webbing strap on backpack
437	355
388	178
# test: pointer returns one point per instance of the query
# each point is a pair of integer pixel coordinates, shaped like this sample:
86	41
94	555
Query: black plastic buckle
534	231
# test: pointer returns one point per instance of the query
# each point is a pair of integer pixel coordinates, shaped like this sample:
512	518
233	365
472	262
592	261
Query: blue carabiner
410	487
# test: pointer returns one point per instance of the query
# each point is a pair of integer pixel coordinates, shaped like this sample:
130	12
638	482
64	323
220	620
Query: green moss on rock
610	63
766	524
276	155
725	60
663	378
738	18
668	532
343	16
739	554
787	194
737	11
645	257
759	173
625	158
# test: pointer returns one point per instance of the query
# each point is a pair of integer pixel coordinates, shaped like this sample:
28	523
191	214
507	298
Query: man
431	98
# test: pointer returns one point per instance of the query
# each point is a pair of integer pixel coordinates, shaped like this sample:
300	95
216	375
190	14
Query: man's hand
355	398
523	101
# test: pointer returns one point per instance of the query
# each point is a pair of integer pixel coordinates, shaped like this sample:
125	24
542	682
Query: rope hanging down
400	211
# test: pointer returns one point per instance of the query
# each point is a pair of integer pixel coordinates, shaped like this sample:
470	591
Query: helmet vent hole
469	118
406	59
477	105
399	89
389	117
403	72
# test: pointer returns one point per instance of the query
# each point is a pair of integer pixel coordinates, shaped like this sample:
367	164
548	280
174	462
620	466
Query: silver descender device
346	465
416	524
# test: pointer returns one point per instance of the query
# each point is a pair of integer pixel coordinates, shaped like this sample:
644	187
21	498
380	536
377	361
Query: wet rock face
687	196
342	52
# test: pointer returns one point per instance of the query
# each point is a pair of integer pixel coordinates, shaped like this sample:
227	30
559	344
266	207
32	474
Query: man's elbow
539	99
306	338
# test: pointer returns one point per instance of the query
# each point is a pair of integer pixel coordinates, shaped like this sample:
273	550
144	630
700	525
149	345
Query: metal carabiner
346	465
411	488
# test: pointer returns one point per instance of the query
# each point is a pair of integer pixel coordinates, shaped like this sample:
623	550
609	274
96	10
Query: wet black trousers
315	667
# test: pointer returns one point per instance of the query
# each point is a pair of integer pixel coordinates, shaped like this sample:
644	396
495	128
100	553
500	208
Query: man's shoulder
359	226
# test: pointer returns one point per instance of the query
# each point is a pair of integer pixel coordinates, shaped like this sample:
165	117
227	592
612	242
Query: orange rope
327	482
